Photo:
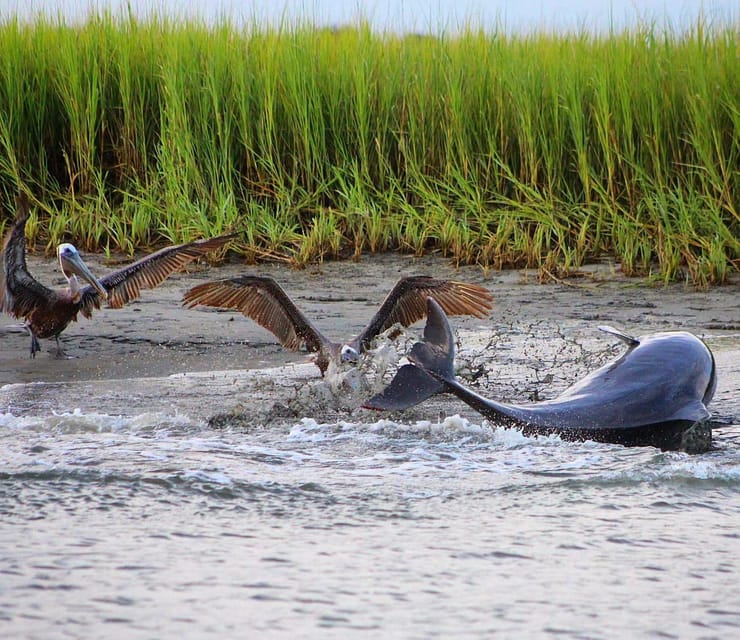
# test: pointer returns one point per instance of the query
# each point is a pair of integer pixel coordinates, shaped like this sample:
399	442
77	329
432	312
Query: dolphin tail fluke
432	366
409	387
436	351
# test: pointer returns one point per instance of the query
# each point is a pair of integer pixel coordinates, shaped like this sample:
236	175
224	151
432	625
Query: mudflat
155	355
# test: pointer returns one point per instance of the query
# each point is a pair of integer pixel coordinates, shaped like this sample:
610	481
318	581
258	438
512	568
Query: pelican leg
35	346
60	354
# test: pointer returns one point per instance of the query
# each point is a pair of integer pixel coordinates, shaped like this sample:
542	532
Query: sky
417	16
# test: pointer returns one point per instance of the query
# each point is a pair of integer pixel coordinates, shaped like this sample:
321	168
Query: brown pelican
47	313
264	301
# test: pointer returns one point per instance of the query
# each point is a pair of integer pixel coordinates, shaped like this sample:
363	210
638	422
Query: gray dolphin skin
654	394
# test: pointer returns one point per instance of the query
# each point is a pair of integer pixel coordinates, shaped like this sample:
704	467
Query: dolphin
654	394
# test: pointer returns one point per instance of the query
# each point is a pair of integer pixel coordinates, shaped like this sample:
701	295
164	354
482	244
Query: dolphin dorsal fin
628	340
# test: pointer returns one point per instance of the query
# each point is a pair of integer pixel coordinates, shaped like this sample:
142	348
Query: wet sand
154	355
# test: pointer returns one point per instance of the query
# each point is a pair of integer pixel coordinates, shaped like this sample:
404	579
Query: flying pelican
47	312
264	301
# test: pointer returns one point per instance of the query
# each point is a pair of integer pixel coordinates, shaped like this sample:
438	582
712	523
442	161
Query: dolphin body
654	394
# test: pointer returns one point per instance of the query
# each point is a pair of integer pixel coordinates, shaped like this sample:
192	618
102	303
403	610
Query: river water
153	487
134	523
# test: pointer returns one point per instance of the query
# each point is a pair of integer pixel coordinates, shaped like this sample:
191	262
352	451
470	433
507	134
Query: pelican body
264	301
656	393
48	312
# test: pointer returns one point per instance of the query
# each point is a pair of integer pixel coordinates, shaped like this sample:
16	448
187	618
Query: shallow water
158	526
128	511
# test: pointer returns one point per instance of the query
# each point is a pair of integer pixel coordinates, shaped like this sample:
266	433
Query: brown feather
406	303
261	299
20	293
125	285
47	312
264	301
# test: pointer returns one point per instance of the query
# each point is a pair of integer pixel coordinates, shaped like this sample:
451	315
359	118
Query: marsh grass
539	150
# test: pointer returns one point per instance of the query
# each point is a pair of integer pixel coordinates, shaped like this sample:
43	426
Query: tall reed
496	149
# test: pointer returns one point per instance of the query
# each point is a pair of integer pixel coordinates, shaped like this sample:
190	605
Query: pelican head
349	354
72	265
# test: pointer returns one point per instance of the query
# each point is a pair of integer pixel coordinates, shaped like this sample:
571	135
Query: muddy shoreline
154	355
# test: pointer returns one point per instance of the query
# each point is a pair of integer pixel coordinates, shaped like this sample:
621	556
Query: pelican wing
264	301
406	303
20	292
125	285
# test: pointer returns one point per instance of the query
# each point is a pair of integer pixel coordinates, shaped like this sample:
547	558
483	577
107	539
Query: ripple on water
335	526
148	442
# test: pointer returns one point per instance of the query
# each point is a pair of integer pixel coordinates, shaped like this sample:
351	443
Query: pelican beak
72	263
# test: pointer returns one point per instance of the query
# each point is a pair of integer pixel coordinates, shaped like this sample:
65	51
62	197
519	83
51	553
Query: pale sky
410	15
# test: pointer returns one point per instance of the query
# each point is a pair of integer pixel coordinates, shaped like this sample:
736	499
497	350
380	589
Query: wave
179	451
77	421
486	446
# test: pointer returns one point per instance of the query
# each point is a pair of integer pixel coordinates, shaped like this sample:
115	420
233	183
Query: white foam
453	428
216	477
78	421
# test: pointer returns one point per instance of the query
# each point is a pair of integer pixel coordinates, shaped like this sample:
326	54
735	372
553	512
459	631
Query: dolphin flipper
630	341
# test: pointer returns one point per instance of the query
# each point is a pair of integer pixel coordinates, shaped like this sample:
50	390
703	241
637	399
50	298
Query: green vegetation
540	150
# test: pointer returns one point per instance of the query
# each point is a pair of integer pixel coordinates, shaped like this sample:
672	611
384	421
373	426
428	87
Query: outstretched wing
126	284
406	303
20	293
264	301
